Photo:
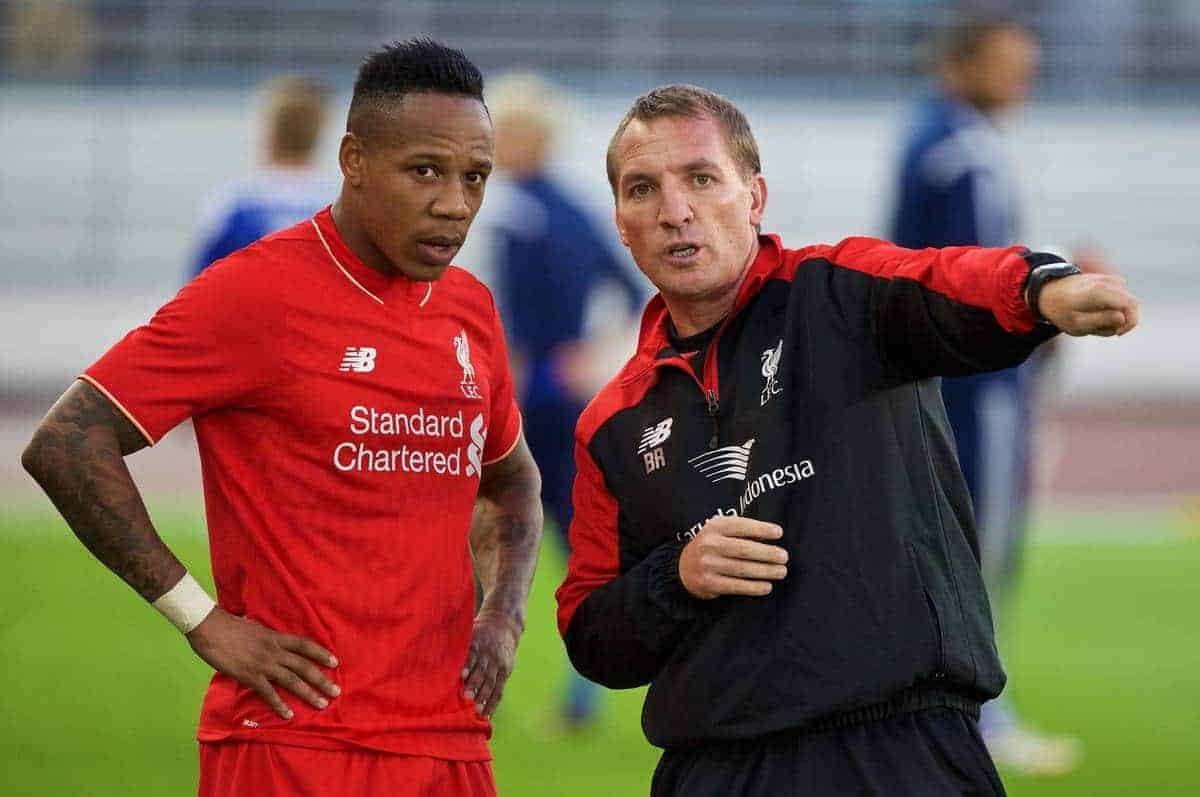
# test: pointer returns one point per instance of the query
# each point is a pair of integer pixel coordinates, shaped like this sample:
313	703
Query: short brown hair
963	41
296	111
697	103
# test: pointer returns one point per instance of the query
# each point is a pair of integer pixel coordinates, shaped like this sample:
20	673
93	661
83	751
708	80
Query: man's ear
351	157
758	199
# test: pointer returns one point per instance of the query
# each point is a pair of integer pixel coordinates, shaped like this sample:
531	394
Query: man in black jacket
771	527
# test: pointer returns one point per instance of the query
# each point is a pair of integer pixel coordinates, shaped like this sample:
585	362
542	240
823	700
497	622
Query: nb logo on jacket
650	446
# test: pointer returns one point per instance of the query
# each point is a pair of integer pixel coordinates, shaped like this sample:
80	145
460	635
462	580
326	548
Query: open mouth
683	251
439	249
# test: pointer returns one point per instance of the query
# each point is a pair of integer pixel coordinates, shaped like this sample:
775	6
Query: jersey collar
380	288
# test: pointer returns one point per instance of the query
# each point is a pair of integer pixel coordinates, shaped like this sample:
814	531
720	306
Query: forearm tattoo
77	456
516	557
505	536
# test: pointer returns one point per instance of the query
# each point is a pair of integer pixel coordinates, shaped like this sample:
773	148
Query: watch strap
1039	277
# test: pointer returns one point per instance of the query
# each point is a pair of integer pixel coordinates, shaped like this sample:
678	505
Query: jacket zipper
711	383
714	408
712	403
710	380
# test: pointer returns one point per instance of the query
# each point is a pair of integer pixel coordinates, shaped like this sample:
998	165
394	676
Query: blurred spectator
549	261
49	38
956	188
287	189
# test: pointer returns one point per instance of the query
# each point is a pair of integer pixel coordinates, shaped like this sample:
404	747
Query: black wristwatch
1037	279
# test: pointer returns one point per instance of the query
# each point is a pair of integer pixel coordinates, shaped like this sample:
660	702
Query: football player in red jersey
354	413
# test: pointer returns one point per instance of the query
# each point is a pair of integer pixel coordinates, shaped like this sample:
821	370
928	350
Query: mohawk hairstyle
413	66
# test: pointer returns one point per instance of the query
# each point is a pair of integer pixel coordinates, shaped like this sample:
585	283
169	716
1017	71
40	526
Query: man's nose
451	202
674	209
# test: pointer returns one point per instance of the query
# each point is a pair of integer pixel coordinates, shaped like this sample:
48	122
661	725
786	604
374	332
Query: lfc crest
462	350
770	371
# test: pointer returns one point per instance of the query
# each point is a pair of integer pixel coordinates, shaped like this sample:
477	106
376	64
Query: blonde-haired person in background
286	189
548	259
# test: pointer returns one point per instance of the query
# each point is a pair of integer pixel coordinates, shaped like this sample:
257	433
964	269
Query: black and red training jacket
817	407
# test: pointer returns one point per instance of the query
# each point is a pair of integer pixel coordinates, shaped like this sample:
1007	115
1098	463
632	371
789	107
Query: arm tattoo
505	533
77	456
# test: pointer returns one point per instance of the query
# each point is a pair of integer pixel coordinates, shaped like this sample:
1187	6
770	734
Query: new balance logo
359	359
650	446
727	462
655	435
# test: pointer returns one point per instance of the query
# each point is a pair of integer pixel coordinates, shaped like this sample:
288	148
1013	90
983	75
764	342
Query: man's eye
476	178
703	179
639	191
425	171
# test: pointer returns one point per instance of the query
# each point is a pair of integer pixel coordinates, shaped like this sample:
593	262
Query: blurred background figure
548	263
956	188
286	189
50	38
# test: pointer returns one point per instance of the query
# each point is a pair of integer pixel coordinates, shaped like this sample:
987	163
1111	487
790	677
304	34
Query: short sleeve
505	427
210	347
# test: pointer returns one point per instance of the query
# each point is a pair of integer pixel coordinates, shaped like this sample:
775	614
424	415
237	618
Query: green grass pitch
100	696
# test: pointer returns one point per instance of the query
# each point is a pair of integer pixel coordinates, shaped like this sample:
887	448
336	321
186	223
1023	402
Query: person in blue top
548	262
956	188
285	190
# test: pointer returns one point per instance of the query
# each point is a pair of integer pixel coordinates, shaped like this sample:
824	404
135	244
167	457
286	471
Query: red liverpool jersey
342	418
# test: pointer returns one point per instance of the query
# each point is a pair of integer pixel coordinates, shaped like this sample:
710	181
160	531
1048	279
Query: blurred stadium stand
1146	44
117	118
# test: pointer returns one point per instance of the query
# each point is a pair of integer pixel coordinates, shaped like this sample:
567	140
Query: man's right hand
257	657
1089	304
733	556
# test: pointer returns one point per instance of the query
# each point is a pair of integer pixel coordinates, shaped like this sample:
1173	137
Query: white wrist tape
186	604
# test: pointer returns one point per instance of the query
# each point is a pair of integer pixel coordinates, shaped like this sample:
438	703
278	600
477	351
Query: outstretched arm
77	456
505	532
962	310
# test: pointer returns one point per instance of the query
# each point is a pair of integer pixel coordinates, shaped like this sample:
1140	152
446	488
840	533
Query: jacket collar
653	338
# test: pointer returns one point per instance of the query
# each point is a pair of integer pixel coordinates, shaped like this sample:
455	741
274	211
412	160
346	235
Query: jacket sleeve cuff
666	588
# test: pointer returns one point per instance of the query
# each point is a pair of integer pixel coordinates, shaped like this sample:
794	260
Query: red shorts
232	769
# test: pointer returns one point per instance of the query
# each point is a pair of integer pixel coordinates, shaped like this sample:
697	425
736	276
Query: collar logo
462	350
770	370
727	462
359	359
